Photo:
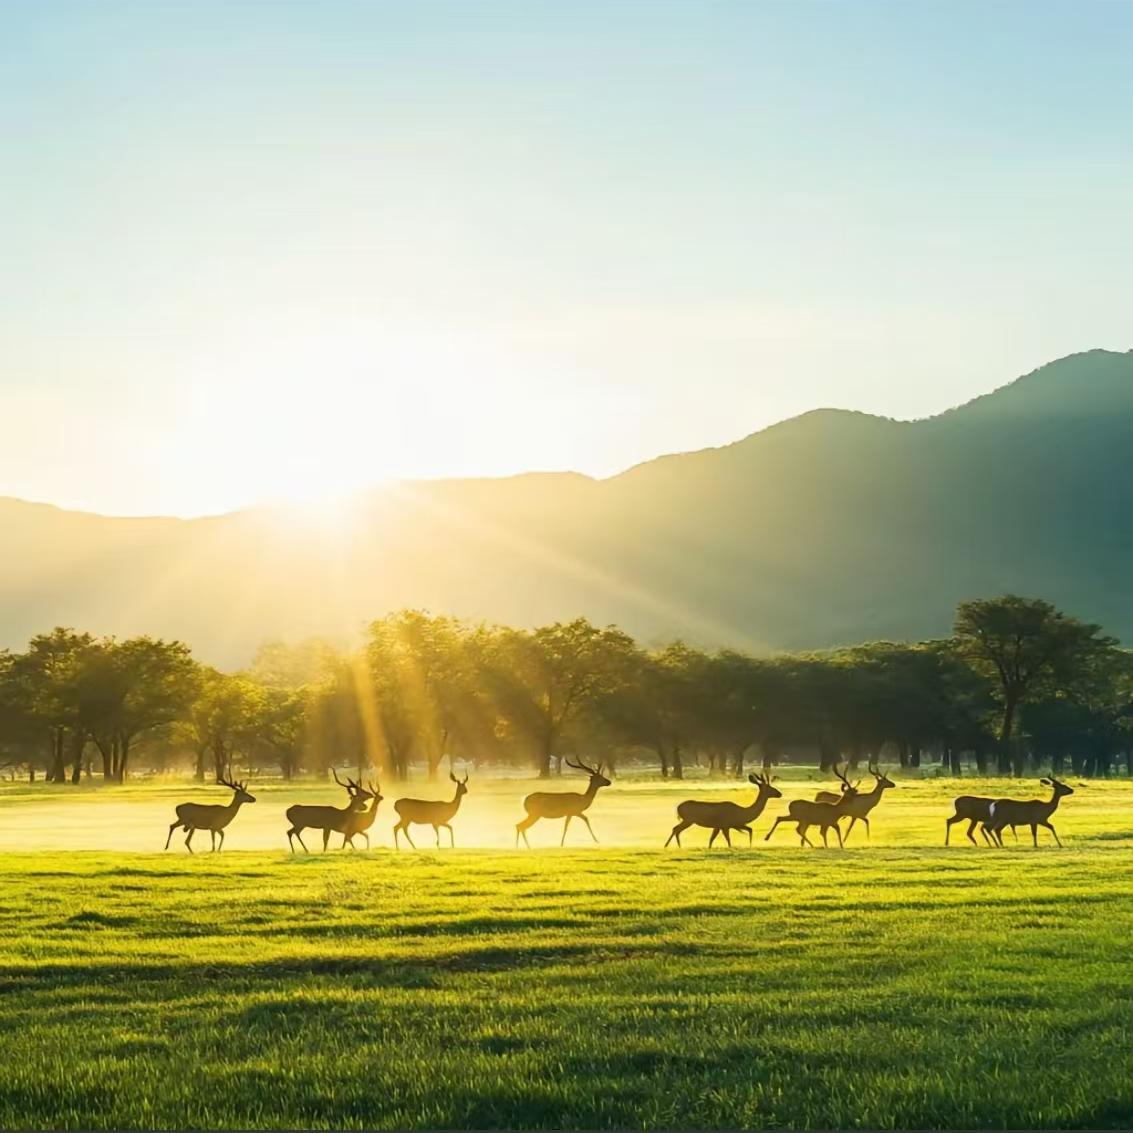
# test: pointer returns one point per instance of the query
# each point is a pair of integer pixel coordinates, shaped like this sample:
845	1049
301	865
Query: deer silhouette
975	811
360	821
863	802
303	816
723	817
1031	812
805	814
209	816
423	812
562	804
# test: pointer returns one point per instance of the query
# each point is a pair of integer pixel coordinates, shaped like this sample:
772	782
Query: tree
543	680
1022	644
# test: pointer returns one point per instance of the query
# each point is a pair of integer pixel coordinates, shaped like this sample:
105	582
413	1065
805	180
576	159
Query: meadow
893	984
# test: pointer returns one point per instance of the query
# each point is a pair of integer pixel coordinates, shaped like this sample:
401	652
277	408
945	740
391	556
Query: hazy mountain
831	527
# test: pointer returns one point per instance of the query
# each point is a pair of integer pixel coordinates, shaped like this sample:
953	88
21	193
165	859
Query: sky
259	251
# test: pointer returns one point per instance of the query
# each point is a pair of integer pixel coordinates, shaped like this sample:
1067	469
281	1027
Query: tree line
1019	685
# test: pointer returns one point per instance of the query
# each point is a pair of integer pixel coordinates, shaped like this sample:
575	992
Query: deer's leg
171	829
189	838
521	828
367	837
589	827
825	830
837	826
1035	835
562	840
677	832
1053	831
299	835
746	830
437	832
408	836
212	839
451	838
838	831
728	837
326	838
803	839
767	836
221	840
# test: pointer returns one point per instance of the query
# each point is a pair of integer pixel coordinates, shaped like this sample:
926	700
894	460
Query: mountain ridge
826	528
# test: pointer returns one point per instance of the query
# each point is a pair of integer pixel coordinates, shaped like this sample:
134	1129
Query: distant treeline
1018	686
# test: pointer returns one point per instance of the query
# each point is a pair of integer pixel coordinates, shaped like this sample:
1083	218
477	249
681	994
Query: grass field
895	985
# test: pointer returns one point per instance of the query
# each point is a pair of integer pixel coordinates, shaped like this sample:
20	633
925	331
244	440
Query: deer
326	818
863	802
724	817
423	812
1030	812
974	810
209	816
360	821
562	804
806	814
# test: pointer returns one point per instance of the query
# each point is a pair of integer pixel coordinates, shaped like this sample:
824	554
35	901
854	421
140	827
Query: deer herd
825	812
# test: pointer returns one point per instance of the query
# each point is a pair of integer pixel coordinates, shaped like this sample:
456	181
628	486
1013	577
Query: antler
350	785
841	774
580	766
227	783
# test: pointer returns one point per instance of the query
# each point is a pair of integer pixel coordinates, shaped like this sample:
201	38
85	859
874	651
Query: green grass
895	985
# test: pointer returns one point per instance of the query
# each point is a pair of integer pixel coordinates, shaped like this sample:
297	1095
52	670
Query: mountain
828	528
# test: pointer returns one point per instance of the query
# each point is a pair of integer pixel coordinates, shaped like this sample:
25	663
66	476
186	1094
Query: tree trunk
678	762
1006	732
544	758
738	760
903	753
663	757
77	745
914	754
123	757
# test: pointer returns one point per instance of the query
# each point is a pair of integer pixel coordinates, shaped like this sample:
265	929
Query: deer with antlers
805	814
423	812
863	802
210	816
562	804
724	817
303	816
361	820
1029	812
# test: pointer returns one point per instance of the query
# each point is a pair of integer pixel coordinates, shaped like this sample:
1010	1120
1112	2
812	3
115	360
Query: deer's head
597	779
849	790
883	780
763	783
461	784
359	796
241	789
1060	789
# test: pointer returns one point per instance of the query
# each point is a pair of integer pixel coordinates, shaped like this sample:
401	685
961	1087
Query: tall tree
1023	644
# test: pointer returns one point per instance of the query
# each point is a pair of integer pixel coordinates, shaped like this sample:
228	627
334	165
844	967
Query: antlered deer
806	814
303	816
562	804
209	816
724	817
863	802
361	820
1030	812
423	812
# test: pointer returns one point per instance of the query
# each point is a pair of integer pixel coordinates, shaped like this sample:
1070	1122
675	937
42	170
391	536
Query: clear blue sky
251	248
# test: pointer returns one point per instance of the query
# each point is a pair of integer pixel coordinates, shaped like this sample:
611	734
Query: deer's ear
1047	782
